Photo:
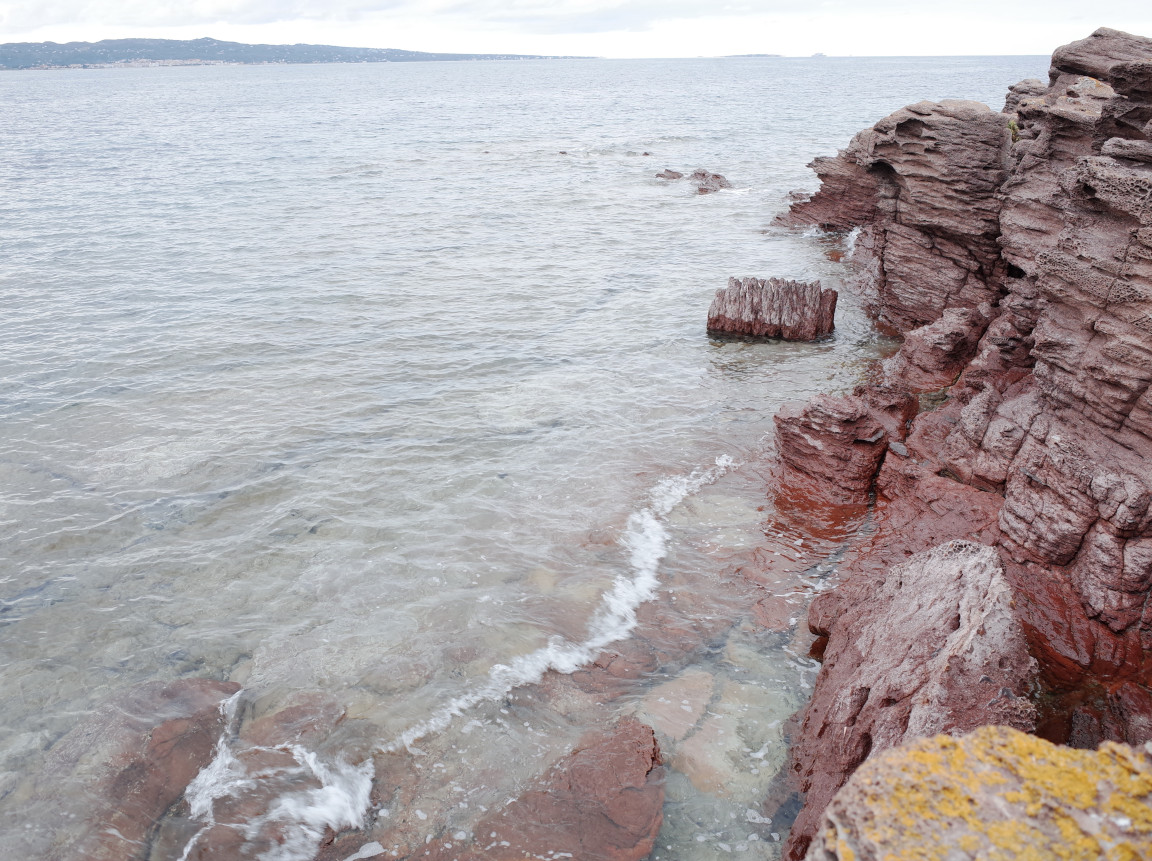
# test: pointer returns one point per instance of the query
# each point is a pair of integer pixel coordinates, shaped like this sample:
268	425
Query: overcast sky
608	28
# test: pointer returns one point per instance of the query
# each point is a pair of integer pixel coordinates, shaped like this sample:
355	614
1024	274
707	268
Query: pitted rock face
992	795
1051	416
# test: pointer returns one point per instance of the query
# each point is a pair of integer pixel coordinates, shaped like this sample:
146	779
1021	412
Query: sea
384	391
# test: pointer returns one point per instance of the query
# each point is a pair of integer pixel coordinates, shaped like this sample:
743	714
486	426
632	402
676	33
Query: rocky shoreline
1000	462
1008	580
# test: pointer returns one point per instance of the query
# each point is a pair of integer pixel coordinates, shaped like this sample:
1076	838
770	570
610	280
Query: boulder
833	443
707	182
994	794
934	647
773	308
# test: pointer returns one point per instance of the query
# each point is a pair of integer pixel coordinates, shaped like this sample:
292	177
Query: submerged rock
773	308
602	802
705	181
127	763
994	794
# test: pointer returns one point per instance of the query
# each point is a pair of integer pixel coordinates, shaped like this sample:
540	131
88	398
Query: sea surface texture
387	387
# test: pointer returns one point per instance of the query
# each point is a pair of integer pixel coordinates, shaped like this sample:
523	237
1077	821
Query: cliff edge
1013	251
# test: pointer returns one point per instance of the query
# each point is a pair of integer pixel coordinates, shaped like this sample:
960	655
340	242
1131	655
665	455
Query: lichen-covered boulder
996	794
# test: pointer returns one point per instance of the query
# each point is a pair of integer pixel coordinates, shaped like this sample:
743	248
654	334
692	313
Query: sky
603	28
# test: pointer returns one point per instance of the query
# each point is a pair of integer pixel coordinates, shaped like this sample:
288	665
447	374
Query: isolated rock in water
707	182
134	757
668	173
773	308
935	648
996	794
836	443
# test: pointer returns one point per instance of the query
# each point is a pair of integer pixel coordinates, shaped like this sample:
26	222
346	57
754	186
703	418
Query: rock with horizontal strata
996	794
773	308
934	647
832	444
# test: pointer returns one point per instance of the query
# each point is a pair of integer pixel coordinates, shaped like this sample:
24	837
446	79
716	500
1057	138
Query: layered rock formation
773	308
1014	252
995	794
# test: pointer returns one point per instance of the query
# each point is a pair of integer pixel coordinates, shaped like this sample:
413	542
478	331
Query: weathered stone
924	181
935	355
835	443
707	182
996	794
668	173
934	647
603	802
773	308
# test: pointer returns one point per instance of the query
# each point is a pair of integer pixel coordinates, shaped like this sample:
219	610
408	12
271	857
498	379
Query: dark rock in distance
773	308
707	182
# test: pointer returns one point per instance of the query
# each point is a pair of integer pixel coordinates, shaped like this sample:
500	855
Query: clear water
367	381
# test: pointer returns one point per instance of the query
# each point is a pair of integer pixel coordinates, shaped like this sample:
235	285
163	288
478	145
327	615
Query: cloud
531	16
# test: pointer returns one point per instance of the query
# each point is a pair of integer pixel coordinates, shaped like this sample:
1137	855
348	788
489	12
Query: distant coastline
135	53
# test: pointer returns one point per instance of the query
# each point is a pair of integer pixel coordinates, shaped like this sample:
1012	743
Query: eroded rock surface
773	308
934	647
995	794
1014	251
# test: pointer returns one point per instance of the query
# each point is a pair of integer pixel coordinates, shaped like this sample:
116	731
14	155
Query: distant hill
48	55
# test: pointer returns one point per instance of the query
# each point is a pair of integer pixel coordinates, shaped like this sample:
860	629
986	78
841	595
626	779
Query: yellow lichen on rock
996	794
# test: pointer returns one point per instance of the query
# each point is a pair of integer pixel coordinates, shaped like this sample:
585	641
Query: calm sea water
390	383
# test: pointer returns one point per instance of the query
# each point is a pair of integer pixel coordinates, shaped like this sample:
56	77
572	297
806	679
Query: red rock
603	802
933	356
835	443
924	182
773	308
936	647
669	174
1046	230
134	757
707	182
1099	54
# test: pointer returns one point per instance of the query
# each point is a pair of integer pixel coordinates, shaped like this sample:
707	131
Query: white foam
647	540
850	243
339	802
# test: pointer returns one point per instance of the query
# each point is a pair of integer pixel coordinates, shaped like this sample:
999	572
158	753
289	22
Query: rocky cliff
1013	250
